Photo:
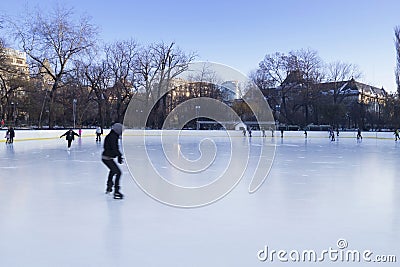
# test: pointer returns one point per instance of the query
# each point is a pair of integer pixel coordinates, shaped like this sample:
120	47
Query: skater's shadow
10	148
113	228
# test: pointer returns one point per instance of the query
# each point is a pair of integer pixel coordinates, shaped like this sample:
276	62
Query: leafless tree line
75	76
397	46
302	100
287	70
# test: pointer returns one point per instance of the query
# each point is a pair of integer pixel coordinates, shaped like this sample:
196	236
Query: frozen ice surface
53	210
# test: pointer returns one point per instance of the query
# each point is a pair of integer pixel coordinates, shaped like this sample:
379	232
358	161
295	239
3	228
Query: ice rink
53	210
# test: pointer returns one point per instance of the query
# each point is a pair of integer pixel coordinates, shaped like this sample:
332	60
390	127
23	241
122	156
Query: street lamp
197	117
12	110
74	110
277	115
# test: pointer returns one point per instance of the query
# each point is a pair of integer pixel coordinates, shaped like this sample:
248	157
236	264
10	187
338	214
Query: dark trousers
114	170
69	143
98	137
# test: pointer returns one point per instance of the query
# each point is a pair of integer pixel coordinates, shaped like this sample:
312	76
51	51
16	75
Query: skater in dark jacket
396	135
249	130
111	151
359	136
11	134
69	136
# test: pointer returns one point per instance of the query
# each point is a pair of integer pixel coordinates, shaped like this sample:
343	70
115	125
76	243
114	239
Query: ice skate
108	190
118	195
109	186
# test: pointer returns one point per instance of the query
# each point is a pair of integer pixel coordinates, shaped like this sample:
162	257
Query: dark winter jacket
11	132
69	135
111	148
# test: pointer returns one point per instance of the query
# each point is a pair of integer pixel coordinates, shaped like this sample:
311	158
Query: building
182	90
352	91
342	103
14	62
14	72
44	80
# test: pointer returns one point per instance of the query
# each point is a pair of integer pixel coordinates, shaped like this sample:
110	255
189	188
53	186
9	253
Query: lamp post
278	113
74	110
197	117
13	112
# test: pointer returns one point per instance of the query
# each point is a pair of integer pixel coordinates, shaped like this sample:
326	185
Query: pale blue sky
241	33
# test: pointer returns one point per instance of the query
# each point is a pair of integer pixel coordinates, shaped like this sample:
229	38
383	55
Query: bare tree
3	89
121	59
341	71
273	70
283	75
158	64
289	82
206	74
170	61
2	52
270	77
77	90
309	66
53	41
98	79
397	45
205	77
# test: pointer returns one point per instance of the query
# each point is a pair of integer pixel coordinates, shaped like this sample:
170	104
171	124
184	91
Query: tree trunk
100	114
51	107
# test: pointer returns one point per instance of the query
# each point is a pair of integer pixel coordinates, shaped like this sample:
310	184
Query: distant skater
7	137
332	135
99	132
244	132
396	135
10	134
111	151
337	132
359	136
263	132
249	130
69	136
305	133
272	132
281	133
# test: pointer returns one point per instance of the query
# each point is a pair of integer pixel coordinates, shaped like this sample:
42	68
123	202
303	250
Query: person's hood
118	128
